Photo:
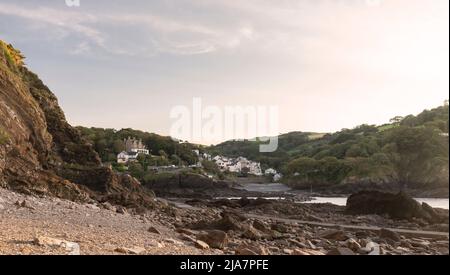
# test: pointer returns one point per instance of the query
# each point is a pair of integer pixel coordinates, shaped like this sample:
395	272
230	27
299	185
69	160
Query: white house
237	165
125	157
133	148
270	171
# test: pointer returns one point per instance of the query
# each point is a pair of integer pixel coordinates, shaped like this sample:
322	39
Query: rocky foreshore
46	225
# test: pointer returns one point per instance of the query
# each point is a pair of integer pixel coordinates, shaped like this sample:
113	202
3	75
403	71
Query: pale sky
327	64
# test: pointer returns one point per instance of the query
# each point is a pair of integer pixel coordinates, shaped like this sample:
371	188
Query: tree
211	167
244	172
396	120
136	170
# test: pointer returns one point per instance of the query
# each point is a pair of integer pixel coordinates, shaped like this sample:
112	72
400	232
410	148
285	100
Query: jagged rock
71	247
214	238
389	234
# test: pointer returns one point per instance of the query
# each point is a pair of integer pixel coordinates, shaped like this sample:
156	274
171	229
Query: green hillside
411	150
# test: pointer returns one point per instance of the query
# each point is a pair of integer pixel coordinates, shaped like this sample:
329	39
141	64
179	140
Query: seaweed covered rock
397	206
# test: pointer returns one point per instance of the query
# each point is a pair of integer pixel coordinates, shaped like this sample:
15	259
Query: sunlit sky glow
327	64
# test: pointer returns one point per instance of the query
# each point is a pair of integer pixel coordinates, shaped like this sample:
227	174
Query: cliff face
41	153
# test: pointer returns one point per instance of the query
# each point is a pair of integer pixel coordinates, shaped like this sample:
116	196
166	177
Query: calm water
278	187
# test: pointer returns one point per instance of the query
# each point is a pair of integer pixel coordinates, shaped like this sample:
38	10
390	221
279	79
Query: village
240	165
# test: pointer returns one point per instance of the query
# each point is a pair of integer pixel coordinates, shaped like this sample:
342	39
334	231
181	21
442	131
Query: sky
326	64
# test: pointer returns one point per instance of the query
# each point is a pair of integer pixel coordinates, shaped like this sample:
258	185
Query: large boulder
397	206
214	238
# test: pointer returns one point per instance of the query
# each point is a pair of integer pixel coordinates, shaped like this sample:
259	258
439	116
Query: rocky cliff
40	153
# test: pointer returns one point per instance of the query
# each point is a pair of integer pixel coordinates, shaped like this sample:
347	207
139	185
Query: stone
154	230
186	231
92	206
311	245
280	228
187	238
252	233
173	241
336	235
24	204
249	250
420	243
261	226
72	247
109	206
201	245
373	248
288	251
307	252
341	251
389	234
398	206
132	251
353	245
121	210
214	238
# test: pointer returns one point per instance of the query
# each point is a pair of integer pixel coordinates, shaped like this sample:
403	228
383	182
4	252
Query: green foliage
211	167
412	150
109	142
14	57
136	170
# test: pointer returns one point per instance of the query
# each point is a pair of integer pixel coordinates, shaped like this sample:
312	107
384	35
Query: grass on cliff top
14	58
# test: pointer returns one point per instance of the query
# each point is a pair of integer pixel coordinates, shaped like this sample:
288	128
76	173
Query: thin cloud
168	35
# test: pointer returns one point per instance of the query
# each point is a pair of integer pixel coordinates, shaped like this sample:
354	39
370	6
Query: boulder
201	245
389	234
353	245
247	249
71	247
214	238
252	233
398	206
